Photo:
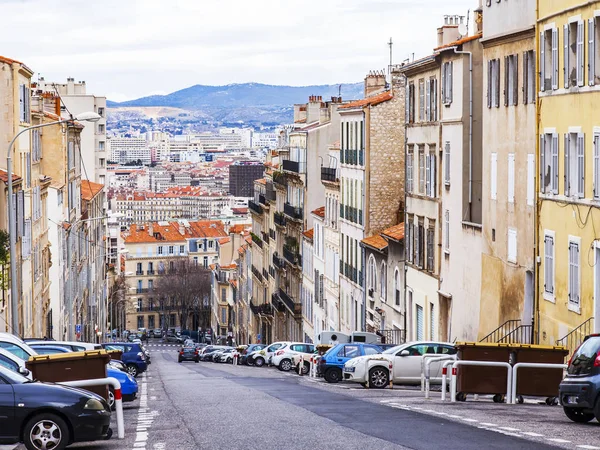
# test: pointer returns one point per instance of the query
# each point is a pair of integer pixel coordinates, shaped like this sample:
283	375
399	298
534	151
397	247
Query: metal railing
292	212
502	331
256	239
520	335
278	261
294	166
575	337
292	256
287	300
328	174
255	207
257	273
279	219
396	337
262	200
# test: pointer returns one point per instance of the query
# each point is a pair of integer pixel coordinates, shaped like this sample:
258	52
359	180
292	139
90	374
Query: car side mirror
404	353
23	371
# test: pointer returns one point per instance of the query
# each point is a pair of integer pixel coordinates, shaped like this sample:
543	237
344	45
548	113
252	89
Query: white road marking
509	429
558	441
529	433
485	424
470	420
588	447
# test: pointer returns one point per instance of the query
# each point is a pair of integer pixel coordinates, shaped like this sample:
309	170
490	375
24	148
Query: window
511	178
447	163
371	351
574	275
182	249
410	161
24	104
36	146
494	176
383	281
421	169
431	100
549	265
512	245
596	165
139	304
101	128
530	179
372	274
420	333
549	59
430	248
593	54
410	104
171	249
421	100
549	163
223	295
447	231
573	42
223	315
447	83
574	165
528	77
138	270
101	112
493	86
15	350
397	287
430	166
409	241
511	80
160	250
432	321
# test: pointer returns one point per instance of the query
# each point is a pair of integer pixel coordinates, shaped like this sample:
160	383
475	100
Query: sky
127	49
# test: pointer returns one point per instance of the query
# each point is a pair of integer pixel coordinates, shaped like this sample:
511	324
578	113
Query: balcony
265	237
295	308
265	274
143	290
270	192
294	166
277	303
279	180
139	272
279	219
264	309
278	261
293	212
262	200
257	273
328	174
150	272
292	256
255	207
257	240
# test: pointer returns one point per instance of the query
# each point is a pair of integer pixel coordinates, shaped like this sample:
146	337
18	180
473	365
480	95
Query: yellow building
568	158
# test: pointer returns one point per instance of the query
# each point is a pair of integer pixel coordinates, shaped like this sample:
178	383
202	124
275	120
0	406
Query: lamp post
14	301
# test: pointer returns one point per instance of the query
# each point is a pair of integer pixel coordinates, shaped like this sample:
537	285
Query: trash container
115	354
71	367
539	382
479	379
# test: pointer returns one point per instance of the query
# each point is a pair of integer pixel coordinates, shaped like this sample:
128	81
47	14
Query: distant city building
242	175
125	150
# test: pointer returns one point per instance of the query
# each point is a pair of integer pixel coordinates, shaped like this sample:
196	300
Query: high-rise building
242	175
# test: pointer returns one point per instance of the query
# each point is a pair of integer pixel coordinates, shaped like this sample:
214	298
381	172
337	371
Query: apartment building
242	175
77	100
371	186
125	150
509	171
568	279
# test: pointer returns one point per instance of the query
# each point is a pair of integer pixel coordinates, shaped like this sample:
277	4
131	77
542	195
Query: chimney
313	108
448	32
478	18
375	82
150	229
181	229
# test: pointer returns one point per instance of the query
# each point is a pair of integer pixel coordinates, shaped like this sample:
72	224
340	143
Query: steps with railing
502	331
575	337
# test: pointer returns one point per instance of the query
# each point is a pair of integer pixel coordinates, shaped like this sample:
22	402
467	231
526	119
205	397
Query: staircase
510	332
575	337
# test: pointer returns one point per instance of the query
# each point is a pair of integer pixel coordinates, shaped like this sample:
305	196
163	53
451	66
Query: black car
251	348
49	415
188	354
207	353
578	392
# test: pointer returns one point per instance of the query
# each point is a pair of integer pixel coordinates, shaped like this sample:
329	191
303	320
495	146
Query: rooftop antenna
468	18
340	90
391	44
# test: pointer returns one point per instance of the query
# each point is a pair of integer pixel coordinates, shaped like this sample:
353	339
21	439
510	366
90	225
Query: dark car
251	348
579	390
188	354
174	339
49	415
207	353
133	356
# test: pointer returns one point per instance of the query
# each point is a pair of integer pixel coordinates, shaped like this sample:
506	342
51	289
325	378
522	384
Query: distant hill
233	96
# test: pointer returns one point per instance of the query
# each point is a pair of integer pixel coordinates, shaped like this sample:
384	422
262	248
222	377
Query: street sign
78	328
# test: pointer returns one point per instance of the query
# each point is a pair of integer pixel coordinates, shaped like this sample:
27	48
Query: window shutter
580	53
515	78
542	60
447	230
434	113
427	175
489	84
580	165
506	75
406	104
566	54
591	51
20	212
450	75
433	174
444	84
530	179
428	101
511	178
567	168
447	163
554	170
542	164
555	58
493	175
525	77
596	166
497	74
512	245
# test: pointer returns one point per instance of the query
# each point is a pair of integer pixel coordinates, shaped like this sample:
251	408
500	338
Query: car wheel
196	360
259	362
305	368
46	431
578	415
379	377
111	398
132	370
179	361
333	375
249	361
285	365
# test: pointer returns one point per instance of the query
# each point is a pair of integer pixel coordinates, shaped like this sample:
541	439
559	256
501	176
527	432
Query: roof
164	232
376	241
6	60
395	233
309	234
319	212
459	42
369	101
233	283
238	228
224	240
4	176
261	181
89	189
239	210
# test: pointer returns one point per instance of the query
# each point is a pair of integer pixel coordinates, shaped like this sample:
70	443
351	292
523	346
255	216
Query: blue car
133	356
332	363
129	386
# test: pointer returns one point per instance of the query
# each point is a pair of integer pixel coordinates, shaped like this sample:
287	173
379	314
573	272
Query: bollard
235	359
427	371
367	372
301	364
513	395
445	366
391	369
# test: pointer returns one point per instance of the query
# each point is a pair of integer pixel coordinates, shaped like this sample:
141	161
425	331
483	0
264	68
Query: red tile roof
239	228
319	212
309	233
89	189
372	101
459	42
376	241
242	211
261	181
171	232
395	233
4	176
224	240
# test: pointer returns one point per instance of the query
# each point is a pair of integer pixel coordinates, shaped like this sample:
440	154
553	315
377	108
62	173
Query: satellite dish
462	29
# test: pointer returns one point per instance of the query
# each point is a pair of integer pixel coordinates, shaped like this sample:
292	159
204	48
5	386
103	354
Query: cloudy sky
130	48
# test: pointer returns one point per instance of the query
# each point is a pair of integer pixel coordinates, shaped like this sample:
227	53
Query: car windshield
585	356
12	377
391	351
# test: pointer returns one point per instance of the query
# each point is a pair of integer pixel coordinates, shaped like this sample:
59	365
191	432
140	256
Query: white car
16	346
261	357
14	363
406	364
283	358
74	346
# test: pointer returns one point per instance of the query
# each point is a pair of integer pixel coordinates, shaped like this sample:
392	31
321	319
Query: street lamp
14	301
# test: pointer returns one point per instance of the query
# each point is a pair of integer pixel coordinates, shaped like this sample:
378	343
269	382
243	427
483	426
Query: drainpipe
462	52
405	208
536	236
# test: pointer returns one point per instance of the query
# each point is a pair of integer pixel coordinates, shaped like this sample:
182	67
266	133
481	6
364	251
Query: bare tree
183	288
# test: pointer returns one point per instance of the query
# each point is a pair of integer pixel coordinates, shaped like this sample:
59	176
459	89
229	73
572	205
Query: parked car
261	357
65	414
406	360
283	358
210	350
50	349
129	387
174	339
331	364
188	353
579	391
133	356
247	351
73	346
224	356
16	346
13	362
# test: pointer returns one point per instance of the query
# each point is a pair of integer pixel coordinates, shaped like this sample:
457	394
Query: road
216	406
